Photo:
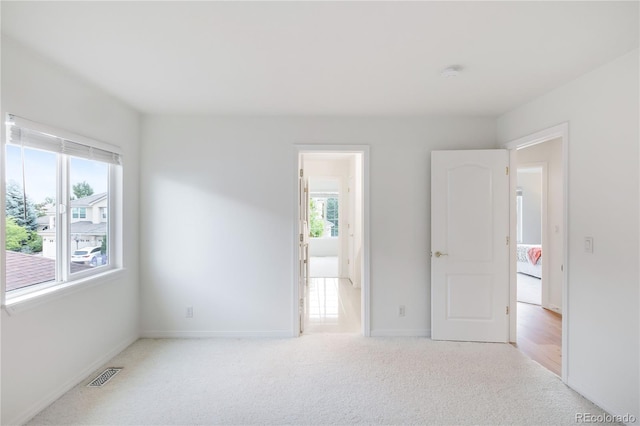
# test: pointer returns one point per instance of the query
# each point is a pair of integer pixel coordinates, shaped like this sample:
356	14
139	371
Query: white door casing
469	245
351	256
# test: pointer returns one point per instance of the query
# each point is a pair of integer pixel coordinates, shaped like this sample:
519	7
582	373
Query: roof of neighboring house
83	227
88	201
24	270
88	227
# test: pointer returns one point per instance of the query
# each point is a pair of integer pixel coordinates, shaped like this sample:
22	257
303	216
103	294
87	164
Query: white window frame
65	281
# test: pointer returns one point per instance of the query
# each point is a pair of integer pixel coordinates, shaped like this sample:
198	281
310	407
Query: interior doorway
538	278
332	247
326	200
531	220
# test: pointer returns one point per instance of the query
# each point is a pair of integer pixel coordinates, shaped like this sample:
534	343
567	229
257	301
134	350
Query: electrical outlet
401	311
189	311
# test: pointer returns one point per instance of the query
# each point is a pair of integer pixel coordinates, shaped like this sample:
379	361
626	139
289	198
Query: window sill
25	302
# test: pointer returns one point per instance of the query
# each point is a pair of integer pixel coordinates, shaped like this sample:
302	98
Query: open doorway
538	277
332	293
332	302
531	218
324	219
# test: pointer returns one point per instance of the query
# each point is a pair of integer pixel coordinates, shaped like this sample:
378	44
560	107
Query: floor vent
104	377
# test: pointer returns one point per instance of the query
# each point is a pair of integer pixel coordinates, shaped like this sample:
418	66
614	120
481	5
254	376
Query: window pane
89	186
316	226
30	217
332	214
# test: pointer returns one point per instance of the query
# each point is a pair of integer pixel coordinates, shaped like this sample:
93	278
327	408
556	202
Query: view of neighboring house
88	225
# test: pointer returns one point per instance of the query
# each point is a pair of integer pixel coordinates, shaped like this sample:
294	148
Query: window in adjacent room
323	212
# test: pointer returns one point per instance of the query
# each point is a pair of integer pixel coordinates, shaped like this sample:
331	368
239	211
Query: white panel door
469	245
303	248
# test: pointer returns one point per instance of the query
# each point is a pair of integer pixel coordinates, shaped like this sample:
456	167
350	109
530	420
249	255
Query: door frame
558	131
365	288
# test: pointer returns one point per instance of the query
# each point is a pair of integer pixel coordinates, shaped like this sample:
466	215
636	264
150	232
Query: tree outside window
323	215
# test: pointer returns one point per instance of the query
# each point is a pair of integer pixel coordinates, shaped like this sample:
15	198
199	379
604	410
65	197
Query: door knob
438	254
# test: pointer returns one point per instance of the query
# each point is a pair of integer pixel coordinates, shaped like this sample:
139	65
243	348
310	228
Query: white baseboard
401	333
69	384
156	334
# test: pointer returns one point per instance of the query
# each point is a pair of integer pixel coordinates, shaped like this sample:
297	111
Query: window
332	214
323	212
79	213
59	190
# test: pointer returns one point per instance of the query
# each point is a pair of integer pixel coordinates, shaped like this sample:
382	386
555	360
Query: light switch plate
588	244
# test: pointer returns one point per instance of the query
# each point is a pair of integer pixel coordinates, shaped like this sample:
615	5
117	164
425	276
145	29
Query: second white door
469	243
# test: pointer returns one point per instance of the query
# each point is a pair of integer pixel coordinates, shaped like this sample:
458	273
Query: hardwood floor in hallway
540	335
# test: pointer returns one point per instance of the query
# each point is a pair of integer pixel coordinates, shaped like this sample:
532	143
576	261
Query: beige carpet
321	379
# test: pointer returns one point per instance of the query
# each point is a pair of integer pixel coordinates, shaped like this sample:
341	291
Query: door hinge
507	311
301	237
507	171
507	240
301	172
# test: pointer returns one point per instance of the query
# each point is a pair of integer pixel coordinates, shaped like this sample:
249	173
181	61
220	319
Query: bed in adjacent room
530	259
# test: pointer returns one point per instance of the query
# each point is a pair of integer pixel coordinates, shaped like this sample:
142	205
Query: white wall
552	256
324	247
531	185
218	197
50	347
602	108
